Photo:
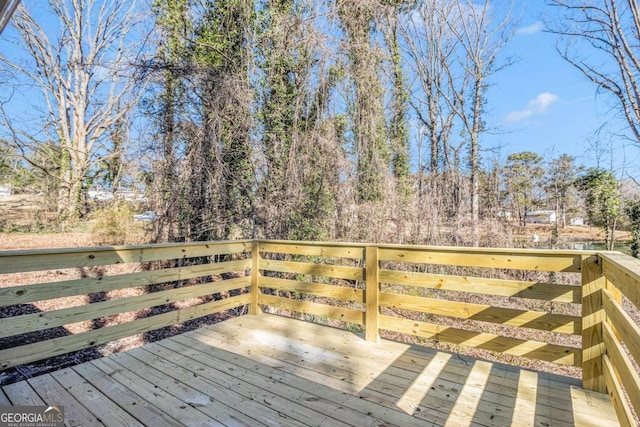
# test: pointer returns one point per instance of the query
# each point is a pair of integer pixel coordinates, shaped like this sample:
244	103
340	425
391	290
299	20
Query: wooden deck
274	371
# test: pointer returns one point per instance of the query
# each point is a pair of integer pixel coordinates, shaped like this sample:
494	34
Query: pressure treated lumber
55	259
593	315
38	321
320	249
307	307
517	347
486	313
481	285
344	293
492	258
624	272
335	271
41	350
43	291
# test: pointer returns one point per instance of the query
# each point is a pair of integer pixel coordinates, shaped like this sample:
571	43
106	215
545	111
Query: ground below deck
274	371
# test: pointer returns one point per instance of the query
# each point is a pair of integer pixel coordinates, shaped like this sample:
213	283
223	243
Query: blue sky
542	104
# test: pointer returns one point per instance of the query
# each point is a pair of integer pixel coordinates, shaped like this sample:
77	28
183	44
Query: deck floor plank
4	400
51	391
22	393
196	349
103	408
273	371
129	401
268	382
381	377
254	387
138	383
223	396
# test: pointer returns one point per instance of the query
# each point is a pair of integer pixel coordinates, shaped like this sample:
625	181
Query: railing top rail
83	249
460	249
518	251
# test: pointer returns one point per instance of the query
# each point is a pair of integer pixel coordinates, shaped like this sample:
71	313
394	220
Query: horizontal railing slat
513	346
43	291
624	325
44	349
319	249
307	307
616	393
480	285
50	259
329	291
335	271
485	313
624	272
491	258
628	375
50	319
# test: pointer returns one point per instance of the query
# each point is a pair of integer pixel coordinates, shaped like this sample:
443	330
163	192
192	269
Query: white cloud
537	105
531	29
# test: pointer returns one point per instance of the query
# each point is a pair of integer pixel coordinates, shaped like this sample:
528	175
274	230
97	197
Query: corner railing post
254	308
371	294
593	281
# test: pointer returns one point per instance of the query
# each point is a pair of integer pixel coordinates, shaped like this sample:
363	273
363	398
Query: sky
543	104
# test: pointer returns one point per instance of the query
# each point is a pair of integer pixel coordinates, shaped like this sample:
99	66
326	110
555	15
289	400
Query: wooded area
357	120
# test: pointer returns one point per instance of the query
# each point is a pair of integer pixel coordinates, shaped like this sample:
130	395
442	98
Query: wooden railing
615	335
563	307
177	257
389	292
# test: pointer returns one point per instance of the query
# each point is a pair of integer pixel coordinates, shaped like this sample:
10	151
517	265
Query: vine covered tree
357	18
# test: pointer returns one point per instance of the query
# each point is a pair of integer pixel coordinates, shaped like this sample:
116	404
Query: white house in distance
541	217
5	190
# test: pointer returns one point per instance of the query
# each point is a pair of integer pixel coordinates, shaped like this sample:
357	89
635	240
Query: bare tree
430	46
84	77
600	38
481	32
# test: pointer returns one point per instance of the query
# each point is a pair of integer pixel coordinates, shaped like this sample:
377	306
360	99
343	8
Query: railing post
593	281
371	294
254	308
